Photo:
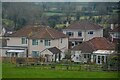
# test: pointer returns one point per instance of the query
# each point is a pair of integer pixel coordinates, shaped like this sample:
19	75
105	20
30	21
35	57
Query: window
88	55
34	42
35	53
102	59
73	44
85	55
77	57
24	40
70	33
61	40
79	33
90	32
47	42
41	41
98	59
76	43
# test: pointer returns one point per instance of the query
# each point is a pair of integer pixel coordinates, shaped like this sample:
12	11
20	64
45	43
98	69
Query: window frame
24	40
47	42
79	33
36	54
91	32
71	34
61	40
34	43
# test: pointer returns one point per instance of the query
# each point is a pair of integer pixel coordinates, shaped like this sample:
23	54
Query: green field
11	71
52	13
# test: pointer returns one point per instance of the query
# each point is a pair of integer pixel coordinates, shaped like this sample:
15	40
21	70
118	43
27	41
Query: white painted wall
76	56
15	41
85	35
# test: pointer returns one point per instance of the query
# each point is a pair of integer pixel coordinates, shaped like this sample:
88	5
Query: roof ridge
49	32
109	43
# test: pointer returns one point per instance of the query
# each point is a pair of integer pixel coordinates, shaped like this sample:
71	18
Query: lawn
11	71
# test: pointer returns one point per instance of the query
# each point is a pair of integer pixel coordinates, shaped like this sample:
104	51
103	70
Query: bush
20	60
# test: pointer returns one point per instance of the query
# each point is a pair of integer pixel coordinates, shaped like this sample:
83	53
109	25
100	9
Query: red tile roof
84	25
38	32
97	43
101	43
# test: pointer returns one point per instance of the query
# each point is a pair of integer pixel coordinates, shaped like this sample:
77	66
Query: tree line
16	15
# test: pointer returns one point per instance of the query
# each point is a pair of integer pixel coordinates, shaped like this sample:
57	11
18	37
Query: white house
36	39
82	31
96	50
115	34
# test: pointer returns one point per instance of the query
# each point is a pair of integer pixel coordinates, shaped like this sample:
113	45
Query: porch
101	56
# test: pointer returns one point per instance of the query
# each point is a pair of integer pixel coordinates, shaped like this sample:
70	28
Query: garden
10	70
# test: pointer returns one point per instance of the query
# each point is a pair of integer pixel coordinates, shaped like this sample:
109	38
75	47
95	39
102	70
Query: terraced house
32	41
82	31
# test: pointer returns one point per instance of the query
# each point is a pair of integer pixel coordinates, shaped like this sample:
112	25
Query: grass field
11	71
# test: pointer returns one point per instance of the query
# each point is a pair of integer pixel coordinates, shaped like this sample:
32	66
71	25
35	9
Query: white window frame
24	40
36	42
47	42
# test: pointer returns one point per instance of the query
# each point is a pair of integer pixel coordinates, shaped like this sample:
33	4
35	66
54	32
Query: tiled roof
85	47
97	43
54	50
101	43
38	32
84	25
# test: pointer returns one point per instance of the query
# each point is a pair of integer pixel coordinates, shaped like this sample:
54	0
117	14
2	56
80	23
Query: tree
68	10
68	58
53	20
112	62
22	13
78	15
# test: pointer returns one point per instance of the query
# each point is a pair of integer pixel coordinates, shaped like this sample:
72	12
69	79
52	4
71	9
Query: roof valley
49	33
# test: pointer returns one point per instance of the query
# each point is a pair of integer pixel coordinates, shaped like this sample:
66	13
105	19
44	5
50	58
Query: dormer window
24	40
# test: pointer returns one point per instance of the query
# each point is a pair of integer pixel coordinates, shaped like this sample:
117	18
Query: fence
16	60
57	66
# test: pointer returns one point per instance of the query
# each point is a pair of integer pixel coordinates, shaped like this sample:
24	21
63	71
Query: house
115	34
35	38
82	31
95	50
